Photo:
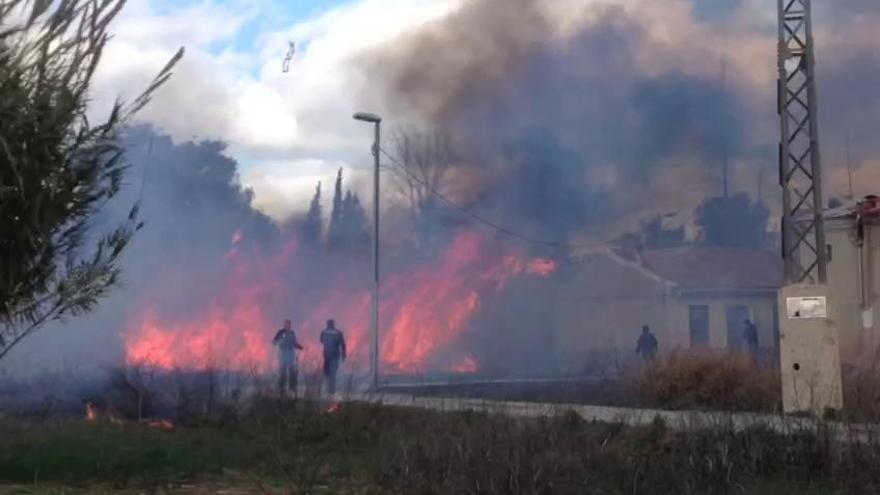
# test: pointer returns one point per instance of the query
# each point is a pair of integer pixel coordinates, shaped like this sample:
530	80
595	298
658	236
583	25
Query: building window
736	325
699	326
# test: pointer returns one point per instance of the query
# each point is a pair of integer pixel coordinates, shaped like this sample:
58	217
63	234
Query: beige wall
857	343
761	309
603	304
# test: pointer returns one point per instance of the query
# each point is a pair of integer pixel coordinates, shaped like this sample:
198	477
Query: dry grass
709	381
734	383
861	394
298	447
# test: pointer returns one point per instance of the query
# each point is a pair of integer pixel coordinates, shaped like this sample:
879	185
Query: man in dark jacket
334	352
647	344
287	344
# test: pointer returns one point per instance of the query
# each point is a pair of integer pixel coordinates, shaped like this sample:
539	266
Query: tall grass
709	381
298	447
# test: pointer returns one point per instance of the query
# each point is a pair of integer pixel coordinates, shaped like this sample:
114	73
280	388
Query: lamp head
367	117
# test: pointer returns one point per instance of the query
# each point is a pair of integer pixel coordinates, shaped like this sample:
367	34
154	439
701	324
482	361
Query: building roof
868	207
716	268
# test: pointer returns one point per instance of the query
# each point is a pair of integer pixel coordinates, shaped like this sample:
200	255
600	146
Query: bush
301	447
861	393
710	381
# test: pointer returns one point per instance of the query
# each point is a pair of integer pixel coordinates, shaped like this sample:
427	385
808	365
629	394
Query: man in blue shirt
334	352
647	344
750	339
287	344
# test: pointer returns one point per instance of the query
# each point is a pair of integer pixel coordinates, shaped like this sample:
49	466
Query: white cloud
289	130
298	119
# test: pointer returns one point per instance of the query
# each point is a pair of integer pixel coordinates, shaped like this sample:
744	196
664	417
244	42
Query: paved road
679	420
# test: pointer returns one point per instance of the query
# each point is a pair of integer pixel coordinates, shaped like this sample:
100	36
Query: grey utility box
810	350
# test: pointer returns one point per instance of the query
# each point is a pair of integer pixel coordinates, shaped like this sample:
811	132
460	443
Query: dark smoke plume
538	112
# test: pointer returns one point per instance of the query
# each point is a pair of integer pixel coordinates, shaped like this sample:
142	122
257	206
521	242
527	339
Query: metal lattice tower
800	167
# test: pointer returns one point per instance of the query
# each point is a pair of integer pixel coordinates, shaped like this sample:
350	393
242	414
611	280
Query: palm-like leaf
56	168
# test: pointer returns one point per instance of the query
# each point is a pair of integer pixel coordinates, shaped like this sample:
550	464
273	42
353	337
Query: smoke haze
570	120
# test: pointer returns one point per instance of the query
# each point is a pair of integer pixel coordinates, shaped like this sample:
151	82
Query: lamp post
374	320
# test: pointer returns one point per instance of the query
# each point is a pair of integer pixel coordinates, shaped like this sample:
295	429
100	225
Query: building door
699	326
736	318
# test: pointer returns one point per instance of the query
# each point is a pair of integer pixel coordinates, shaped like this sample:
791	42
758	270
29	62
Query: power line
476	217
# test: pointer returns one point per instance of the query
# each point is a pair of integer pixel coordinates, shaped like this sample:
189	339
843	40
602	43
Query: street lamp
374	322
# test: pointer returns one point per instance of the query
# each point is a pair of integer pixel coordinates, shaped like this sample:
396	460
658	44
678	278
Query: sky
286	130
289	130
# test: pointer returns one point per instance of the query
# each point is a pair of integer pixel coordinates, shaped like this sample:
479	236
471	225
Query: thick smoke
192	204
562	124
543	114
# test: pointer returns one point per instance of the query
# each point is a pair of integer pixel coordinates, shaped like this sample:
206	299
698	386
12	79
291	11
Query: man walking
287	345
750	339
334	352
647	344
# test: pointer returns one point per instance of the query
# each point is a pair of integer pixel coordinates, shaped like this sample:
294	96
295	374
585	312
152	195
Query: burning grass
427	307
281	446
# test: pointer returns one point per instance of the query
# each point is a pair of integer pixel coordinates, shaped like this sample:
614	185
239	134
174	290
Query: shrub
708	380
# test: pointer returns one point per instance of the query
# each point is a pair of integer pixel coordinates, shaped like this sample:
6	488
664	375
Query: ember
91	412
163	424
467	365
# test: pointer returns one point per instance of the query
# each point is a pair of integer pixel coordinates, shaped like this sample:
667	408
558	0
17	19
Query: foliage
653	234
348	229
312	227
190	195
300	447
734	222
57	169
427	159
707	380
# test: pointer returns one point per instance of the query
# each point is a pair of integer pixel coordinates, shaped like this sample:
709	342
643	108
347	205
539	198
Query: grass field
300	447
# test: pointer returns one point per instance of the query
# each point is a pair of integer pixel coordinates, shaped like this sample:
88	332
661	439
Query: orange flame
467	365
162	424
91	412
424	310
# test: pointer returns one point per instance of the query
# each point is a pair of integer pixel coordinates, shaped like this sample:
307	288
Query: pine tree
348	230
357	220
734	221
335	231
312	227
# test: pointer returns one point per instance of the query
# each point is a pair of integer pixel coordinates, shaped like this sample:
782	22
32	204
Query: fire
542	267
467	365
162	424
425	309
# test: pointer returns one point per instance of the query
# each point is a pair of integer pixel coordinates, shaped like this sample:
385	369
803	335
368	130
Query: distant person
647	344
287	345
334	352
750	338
